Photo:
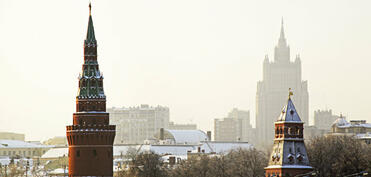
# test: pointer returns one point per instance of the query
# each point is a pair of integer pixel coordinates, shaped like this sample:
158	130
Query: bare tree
147	164
247	163
339	155
237	163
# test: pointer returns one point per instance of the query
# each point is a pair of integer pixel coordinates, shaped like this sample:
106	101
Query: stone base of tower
287	172
90	160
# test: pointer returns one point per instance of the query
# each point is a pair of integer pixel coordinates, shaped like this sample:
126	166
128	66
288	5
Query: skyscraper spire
282	39
282	35
282	50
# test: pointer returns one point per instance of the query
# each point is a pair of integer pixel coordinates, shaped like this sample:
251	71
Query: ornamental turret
90	138
289	155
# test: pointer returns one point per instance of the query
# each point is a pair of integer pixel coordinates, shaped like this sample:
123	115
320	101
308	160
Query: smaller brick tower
90	138
289	156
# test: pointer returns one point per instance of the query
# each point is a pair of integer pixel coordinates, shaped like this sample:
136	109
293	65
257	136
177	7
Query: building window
78	153
95	152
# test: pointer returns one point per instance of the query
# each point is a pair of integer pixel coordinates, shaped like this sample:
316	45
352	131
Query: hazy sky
201	58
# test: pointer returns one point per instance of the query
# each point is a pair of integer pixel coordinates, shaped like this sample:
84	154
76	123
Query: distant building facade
358	128
173	126
342	126
235	127
22	149
136	124
323	119
278	76
12	136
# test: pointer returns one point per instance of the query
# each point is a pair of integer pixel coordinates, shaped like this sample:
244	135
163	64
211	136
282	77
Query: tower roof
90	36
289	113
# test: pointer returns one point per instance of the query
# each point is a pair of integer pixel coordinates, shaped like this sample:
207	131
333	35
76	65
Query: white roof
55	153
223	147
290	166
168	149
188	136
158	149
341	121
59	171
289	114
21	144
364	136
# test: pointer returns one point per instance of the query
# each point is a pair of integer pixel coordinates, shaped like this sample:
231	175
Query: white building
136	124
278	76
22	149
360	129
235	127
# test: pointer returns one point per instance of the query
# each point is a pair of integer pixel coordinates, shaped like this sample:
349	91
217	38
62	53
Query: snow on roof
6	161
289	166
364	135
223	147
292	115
168	149
55	153
59	171
188	136
158	149
341	121
21	144
166	158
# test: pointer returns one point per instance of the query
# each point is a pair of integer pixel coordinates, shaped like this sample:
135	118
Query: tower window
95	152
78	153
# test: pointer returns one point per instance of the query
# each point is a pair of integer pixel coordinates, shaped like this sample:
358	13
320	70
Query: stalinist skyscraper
278	76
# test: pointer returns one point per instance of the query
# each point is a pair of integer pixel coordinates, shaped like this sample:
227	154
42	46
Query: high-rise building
90	138
323	119
289	155
278	76
235	127
136	124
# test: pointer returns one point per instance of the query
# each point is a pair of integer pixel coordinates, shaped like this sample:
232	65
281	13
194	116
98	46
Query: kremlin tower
289	155
90	138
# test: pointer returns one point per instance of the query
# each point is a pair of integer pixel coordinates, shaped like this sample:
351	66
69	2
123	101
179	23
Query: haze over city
201	58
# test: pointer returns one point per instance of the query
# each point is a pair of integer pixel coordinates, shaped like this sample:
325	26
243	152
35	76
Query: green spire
90	36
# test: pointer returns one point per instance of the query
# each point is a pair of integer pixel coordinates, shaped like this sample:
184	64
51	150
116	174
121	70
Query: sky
201	58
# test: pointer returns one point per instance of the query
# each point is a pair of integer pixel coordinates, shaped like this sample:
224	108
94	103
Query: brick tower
90	138
289	155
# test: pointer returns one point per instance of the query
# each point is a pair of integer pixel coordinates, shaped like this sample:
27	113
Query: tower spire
90	36
89	8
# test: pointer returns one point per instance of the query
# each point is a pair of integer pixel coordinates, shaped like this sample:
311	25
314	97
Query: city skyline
204	63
